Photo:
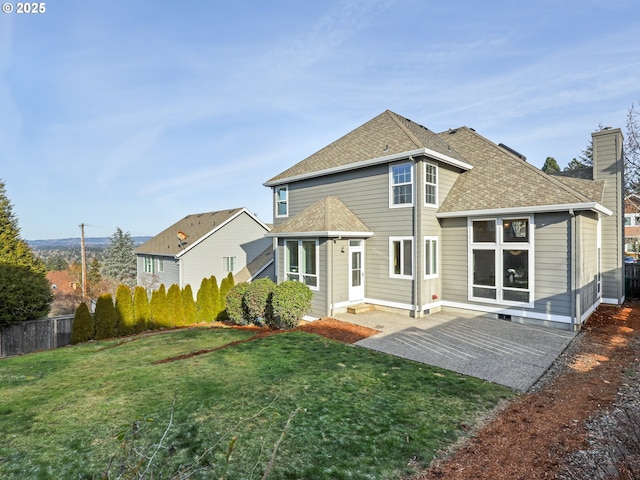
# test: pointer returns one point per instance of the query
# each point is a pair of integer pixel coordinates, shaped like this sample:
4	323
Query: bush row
264	303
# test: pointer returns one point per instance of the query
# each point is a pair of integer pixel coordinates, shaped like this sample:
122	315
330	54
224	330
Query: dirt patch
534	436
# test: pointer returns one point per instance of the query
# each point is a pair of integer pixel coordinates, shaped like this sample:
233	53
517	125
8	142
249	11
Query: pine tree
140	309
83	328
175	310
124	309
189	305
119	262
204	308
105	317
214	293
550	165
24	294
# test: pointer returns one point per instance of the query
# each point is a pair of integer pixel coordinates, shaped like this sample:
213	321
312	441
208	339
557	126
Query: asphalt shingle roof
387	134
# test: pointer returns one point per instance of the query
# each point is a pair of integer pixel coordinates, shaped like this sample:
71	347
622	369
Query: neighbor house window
430	257
282	201
160	265
501	259
229	263
301	262
401	185
401	257
431	184
148	264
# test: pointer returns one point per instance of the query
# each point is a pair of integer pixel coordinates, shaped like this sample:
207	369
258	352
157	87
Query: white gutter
373	161
329	234
595	206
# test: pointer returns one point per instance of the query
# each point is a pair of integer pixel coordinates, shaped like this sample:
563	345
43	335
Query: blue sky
133	114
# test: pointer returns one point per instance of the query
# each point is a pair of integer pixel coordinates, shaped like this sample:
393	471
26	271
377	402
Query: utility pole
84	264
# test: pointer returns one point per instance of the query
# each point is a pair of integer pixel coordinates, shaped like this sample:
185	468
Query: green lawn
360	414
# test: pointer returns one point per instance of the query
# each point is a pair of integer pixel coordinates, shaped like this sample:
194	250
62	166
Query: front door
356	270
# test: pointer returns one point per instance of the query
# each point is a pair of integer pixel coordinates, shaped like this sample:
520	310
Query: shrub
24	294
235	304
140	309
105	317
188	305
204	311
257	300
124	309
175	312
83	326
290	301
225	286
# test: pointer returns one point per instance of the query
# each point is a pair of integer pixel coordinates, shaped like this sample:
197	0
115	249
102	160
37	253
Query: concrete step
360	308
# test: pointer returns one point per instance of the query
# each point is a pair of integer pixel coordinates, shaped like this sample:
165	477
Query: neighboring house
395	215
206	244
632	223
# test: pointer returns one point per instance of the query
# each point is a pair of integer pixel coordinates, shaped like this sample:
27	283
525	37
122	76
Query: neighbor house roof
500	180
194	228
329	217
383	139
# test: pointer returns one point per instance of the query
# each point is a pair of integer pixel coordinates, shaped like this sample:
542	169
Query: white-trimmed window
401	257
430	257
282	201
229	264
301	262
501	259
160	264
401	185
148	264
430	185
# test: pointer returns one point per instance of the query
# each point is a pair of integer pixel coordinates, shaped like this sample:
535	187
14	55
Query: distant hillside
72	243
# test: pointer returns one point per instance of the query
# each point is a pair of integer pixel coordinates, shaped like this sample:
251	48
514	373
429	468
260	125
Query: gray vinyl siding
552	263
454	253
242	238
169	275
588	260
340	287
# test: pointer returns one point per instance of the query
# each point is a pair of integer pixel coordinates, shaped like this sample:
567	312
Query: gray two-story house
397	216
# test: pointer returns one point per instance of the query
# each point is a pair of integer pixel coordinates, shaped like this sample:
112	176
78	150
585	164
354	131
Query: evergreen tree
189	305
105	317
575	164
83	328
226	285
119	262
124	309
550	165
175	310
158	307
204	308
140	309
24	294
93	276
214	293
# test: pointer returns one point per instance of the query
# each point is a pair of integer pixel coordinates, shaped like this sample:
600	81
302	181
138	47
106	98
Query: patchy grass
362	414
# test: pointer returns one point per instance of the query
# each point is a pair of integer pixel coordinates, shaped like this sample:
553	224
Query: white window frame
230	263
299	276
402	273
148	264
392	185
428	184
431	250
278	201
160	265
499	246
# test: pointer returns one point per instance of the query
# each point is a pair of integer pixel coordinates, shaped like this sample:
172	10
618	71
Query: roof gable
195	227
384	137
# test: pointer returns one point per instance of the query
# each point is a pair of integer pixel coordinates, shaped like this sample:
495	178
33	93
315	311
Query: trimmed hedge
257	300
124	309
105	317
83	328
175	311
236	311
290	302
140	309
188	305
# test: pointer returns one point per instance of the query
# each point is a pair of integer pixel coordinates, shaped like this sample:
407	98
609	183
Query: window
282	201
401	257
431	184
160	265
148	264
501	264
229	264
301	262
627	221
401	185
430	257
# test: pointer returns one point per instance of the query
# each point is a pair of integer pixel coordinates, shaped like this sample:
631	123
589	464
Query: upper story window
282	201
160	265
229	263
431	184
148	264
401	185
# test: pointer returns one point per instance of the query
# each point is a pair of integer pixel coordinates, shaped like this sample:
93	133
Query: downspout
417	235
329	306
575	295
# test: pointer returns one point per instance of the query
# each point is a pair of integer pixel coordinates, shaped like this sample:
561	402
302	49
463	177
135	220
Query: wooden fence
35	335
632	280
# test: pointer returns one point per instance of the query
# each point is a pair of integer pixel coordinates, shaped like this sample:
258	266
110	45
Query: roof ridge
532	168
396	118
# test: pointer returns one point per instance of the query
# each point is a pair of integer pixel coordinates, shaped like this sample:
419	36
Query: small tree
175	311
550	165
124	309
214	293
236	311
226	285
119	262
257	300
291	301
158	307
140	309
105	317
83	328
204	309
188	305
24	294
